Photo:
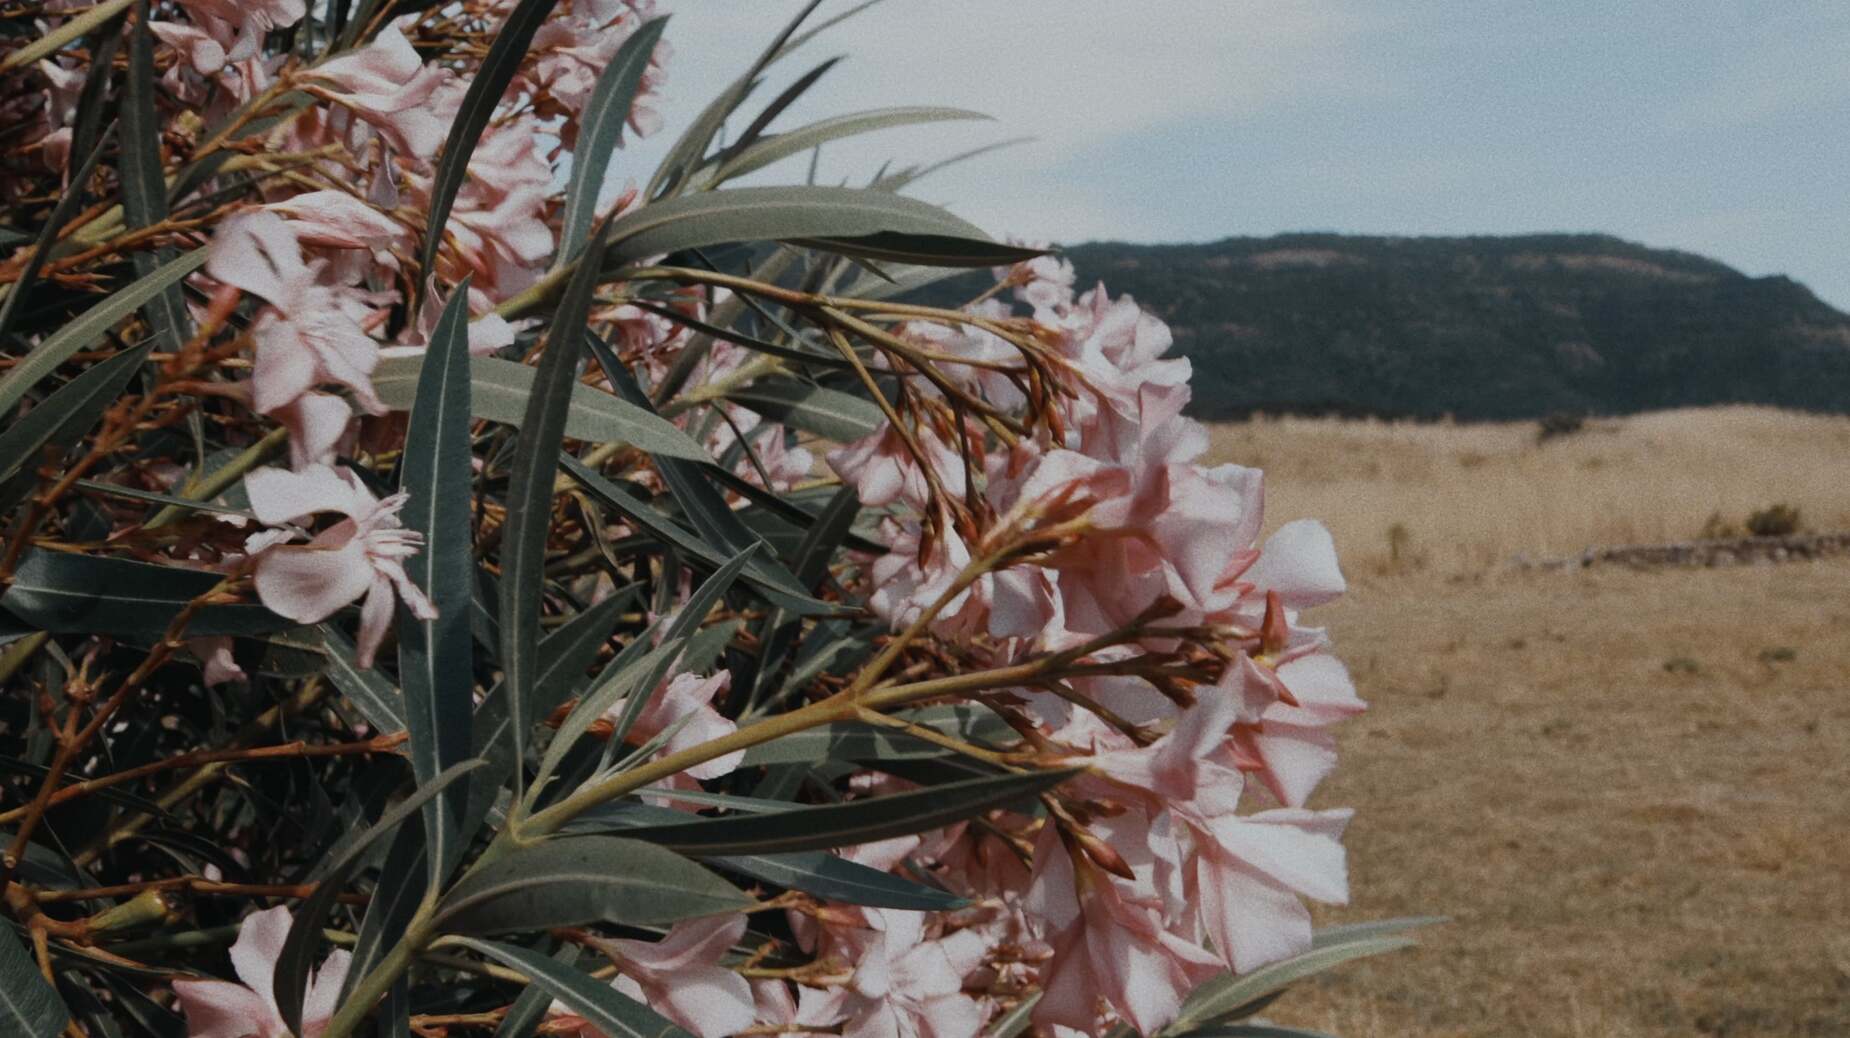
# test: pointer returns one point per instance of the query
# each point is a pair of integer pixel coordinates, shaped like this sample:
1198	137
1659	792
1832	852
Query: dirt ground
1630	791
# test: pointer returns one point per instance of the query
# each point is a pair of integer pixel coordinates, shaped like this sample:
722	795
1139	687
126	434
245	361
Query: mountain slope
1478	328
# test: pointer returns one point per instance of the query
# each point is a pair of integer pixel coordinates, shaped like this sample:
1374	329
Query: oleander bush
450	587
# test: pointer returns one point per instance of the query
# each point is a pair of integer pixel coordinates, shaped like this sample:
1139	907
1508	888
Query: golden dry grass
1629	789
1469	497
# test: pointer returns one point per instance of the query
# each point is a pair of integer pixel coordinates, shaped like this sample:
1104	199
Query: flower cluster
985	532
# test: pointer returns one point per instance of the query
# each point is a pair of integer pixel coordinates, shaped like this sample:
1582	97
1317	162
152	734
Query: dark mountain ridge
1477	328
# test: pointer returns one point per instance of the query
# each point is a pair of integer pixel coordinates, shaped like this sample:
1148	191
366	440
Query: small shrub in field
1559	424
614	611
1777	520
1717	528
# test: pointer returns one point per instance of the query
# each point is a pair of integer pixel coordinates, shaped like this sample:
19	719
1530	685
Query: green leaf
833	878
58	421
704	506
777	589
290	978
829	413
861	742
1229	997
851	823
87	329
500	390
750	214
926	249
564	655
781	146
577	880
62	35
144	183
29	1006
604	1007
691	146
529	494
486	86
641	680
68	204
86	594
382	705
435	664
600	126
394	902
524	1016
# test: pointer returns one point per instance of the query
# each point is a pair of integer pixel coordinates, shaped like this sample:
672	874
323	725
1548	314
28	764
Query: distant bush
1718	528
1777	520
1559	424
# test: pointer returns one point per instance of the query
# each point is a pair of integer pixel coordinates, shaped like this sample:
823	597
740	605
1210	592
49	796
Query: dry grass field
1629	789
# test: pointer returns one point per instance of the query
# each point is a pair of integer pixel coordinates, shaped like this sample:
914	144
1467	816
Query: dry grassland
1629	790
1466	498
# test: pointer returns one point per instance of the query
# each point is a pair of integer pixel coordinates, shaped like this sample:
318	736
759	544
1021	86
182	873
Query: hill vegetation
1476	328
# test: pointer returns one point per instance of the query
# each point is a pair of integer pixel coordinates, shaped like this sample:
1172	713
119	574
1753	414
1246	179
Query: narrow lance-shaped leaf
603	1006
290	978
499	392
854	822
144	183
529	499
785	145
830	413
29	1006
703	505
530	1008
486	86
68	204
434	656
1228	996
600	126
578	880
58	422
774	213
90	327
65	593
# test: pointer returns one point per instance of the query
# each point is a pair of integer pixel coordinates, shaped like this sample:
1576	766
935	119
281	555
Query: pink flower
1110	947
907	984
677	977
221	1009
386	84
1250	871
239	26
338	220
360	555
310	337
684	705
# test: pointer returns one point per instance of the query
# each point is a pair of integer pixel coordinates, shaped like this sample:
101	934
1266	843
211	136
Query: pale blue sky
1716	126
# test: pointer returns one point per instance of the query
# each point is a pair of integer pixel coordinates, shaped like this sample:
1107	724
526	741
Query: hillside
1478	328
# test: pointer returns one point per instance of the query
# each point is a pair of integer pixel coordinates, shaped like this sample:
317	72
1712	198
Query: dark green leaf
529	491
87	329
832	878
290	978
604	1007
59	421
435	665
68	203
828	413
530	1008
576	880
1229	997
394	901
382	705
640	512
923	248
750	214
600	126
87	594
703	505
861	742
851	823
486	86
564	655
784	145
500	390
144	183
